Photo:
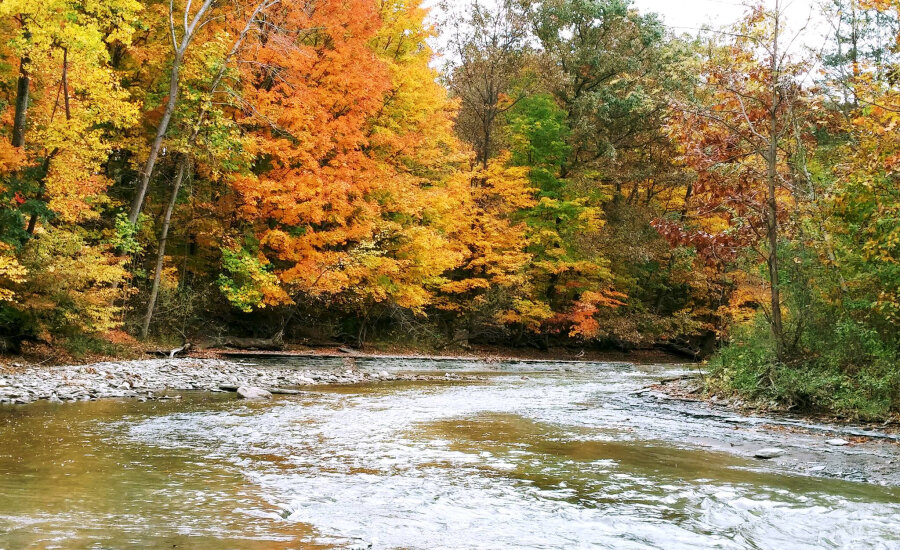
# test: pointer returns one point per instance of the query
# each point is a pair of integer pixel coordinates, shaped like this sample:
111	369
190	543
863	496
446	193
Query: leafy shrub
845	369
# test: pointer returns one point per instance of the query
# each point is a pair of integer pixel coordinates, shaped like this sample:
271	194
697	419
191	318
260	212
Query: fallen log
678	349
170	353
275	343
282	391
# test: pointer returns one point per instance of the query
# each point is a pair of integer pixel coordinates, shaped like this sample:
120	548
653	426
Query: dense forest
565	172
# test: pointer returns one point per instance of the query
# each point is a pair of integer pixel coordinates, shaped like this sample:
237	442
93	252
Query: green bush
844	369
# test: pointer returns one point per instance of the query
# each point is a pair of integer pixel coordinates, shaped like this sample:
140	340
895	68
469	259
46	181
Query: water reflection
556	460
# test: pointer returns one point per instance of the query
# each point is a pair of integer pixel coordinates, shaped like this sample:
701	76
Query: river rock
837	442
252	392
768	452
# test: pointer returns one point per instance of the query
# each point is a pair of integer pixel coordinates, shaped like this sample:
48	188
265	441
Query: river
529	455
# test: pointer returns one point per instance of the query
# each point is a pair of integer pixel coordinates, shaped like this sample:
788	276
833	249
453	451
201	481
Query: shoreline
217	370
148	378
686	390
161	379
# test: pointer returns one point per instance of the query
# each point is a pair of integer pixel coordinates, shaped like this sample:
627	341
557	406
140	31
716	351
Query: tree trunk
45	169
147	172
772	230
23	86
771	201
174	82
138	203
161	250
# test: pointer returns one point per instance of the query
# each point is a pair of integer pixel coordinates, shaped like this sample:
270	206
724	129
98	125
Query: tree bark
771	201
161	249
23	87
160	134
174	85
147	172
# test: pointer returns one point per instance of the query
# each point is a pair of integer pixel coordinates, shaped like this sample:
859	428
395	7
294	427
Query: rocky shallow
146	379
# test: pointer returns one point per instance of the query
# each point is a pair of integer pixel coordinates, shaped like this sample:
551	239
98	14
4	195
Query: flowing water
531	455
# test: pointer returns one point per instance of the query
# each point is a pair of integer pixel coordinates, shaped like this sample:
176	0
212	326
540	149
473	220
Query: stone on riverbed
768	452
837	442
252	392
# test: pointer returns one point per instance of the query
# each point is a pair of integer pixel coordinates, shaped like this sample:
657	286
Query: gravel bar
145	378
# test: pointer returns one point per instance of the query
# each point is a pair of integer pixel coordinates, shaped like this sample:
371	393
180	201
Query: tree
862	40
307	97
605	65
489	282
193	23
489	53
205	111
571	280
744	136
860	208
77	106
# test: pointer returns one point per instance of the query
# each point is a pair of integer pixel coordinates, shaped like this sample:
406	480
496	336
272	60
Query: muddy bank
146	379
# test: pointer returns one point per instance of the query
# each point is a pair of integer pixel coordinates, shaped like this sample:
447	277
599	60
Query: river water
530	455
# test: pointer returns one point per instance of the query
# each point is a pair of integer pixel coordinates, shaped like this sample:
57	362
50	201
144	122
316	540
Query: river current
529	455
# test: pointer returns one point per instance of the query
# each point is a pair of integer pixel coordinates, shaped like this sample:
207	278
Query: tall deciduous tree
744	137
488	52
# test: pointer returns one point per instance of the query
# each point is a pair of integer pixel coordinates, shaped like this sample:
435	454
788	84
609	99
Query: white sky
686	16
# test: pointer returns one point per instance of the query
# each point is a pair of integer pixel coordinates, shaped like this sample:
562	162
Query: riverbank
691	389
44	374
149	378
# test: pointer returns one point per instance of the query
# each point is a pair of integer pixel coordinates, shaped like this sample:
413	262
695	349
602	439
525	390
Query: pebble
837	442
252	392
768	452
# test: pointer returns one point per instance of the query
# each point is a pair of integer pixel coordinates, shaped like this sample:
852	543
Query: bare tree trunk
161	249
772	231
486	152
689	190
771	201
190	29
179	178
141	191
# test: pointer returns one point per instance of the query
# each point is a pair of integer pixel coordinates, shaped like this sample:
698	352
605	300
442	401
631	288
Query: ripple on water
545	463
